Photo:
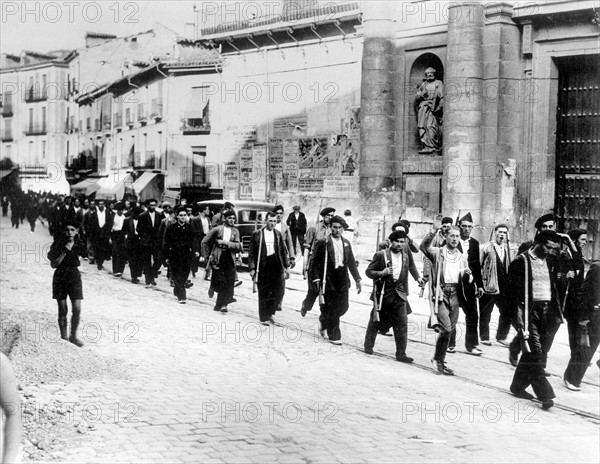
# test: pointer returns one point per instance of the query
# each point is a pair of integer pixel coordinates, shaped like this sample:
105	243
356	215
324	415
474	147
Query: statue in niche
429	109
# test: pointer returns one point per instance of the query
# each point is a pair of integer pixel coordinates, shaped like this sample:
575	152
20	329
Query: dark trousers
530	370
581	356
297	238
393	314
101	248
119	257
271	287
223	279
447	316
471	323
311	296
90	248
135	263
180	271
336	303
14	220
150	262
486	306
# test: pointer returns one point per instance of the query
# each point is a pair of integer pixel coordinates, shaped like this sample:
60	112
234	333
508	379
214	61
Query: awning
86	186
172	196
113	187
149	185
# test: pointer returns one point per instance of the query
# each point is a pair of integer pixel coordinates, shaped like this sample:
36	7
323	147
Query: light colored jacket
489	269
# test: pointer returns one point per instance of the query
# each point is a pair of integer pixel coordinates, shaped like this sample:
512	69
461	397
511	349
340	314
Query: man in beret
545	222
438	238
220	247
331	261
321	231
389	270
296	221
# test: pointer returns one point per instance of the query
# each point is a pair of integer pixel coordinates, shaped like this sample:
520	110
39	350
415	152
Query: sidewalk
211	387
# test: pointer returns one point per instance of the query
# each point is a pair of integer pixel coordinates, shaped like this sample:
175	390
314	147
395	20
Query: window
43	149
30	118
44	118
198	165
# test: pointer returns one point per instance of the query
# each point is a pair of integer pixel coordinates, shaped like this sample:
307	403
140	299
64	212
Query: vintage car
250	216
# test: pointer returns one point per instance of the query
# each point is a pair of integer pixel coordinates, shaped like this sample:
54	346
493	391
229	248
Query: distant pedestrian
133	244
179	252
64	258
296	221
286	234
117	237
33	211
5	204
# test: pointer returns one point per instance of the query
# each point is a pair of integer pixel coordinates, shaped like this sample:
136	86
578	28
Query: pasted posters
259	172
246	172
290	164
231	180
353	122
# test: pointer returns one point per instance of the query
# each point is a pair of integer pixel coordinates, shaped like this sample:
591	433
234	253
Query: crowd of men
535	291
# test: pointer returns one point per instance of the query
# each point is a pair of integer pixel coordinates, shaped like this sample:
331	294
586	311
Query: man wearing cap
451	269
437	238
218	218
117	236
220	247
268	255
331	261
545	222
404	226
296	221
468	299
148	229
320	232
179	252
389	270
201	226
534	304
286	234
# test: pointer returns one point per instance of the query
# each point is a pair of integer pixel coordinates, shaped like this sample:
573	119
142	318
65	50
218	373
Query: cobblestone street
209	387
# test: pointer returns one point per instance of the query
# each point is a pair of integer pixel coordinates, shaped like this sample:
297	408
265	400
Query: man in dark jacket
389	270
535	306
148	229
296	221
268	261
179	252
100	226
469	246
331	261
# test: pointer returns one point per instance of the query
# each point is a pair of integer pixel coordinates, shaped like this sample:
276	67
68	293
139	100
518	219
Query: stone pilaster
463	111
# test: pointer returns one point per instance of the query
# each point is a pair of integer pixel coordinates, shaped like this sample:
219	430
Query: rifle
378	232
377	304
308	252
438	272
322	287
458	216
507	247
492	232
382	230
255	279
525	348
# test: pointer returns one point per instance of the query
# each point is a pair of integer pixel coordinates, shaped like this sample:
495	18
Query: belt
449	285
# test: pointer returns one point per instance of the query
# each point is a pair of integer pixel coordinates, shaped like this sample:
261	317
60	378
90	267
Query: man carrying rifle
320	232
534	304
268	261
331	261
389	270
449	268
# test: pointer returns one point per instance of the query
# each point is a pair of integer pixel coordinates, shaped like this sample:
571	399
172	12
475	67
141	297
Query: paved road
211	387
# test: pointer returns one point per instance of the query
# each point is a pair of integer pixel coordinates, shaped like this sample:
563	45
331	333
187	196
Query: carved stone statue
429	108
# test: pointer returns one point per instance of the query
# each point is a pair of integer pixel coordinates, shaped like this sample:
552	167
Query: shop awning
148	185
86	186
113	187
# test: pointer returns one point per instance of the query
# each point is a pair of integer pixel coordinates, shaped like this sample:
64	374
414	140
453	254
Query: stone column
378	112
463	111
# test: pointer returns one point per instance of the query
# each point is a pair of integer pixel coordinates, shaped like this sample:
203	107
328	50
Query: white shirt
135	223
118	223
338	248
465	245
227	234
396	265
452	267
499	251
269	241
152	217
205	226
101	217
541	285
278	226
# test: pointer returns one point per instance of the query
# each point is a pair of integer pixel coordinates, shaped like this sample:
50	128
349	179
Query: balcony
106	123
129	117
194	126
70	126
193	176
142	114
35	95
36	129
118	118
7	109
7	135
156	112
97	124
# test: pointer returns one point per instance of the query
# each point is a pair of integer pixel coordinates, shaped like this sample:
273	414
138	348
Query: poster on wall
246	174
343	181
275	162
259	172
290	164
353	122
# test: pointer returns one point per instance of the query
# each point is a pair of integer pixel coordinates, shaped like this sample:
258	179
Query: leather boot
370	336
74	325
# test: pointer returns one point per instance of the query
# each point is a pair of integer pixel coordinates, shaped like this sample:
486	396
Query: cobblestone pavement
211	387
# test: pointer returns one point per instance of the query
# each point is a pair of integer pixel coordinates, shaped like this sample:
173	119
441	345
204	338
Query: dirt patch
44	364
